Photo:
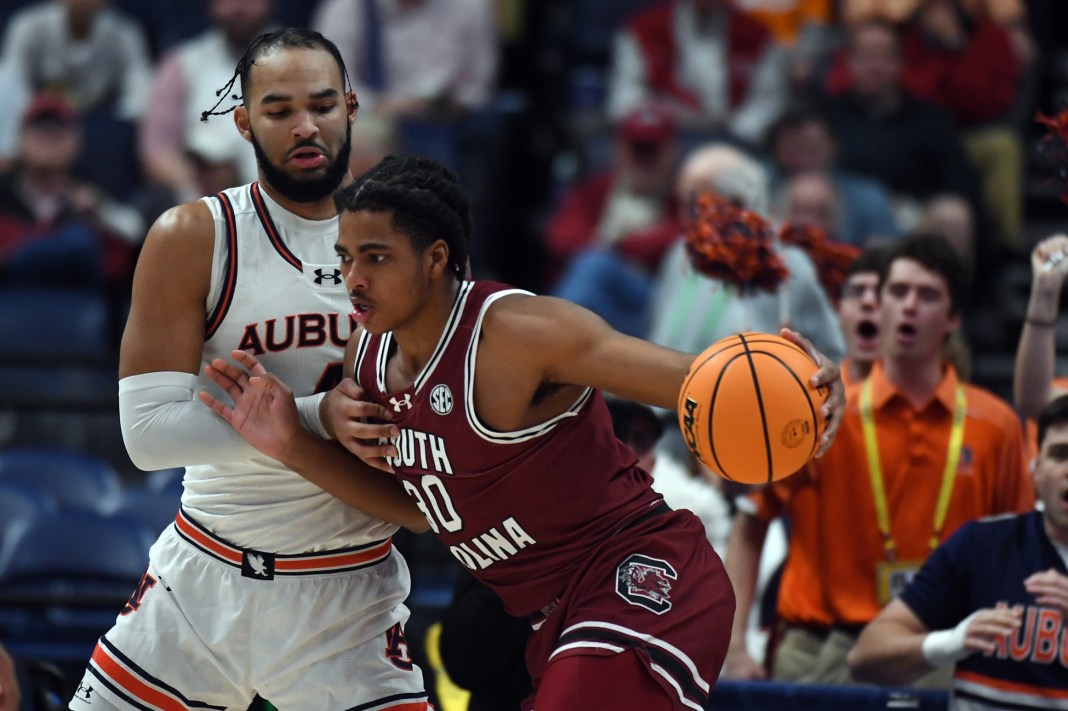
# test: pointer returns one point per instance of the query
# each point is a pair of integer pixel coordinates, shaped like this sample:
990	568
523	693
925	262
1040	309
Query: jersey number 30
435	504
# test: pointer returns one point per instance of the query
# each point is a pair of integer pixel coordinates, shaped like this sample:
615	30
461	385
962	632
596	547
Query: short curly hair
426	199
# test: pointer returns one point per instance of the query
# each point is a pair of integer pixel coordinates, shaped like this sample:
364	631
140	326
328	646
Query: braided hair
427	201
285	38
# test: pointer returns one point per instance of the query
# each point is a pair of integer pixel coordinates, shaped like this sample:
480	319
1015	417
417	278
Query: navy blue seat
152	509
62	551
63	579
55	344
72	479
20	505
51	321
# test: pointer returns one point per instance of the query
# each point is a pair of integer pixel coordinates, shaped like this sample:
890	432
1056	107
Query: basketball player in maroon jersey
491	419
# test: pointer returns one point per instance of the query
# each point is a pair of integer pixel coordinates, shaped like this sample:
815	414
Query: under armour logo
406	402
257	565
84	691
334	276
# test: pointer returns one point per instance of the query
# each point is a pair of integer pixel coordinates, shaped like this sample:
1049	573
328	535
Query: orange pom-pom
734	245
831	258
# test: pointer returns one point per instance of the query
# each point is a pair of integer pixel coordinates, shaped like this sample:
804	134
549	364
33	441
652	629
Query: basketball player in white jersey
265	584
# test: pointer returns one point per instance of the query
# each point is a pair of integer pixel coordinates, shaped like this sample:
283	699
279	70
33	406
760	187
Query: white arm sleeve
164	425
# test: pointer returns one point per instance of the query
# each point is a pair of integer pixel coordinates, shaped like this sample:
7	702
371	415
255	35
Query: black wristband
1052	323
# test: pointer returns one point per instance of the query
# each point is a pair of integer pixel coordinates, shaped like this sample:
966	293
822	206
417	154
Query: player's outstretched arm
264	413
552	340
565	343
896	648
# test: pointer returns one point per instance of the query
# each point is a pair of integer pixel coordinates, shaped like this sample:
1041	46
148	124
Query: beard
311	189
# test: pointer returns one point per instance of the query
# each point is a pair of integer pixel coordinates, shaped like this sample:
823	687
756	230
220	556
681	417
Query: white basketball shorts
211	625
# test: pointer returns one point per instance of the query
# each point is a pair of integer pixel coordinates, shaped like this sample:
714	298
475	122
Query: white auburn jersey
276	290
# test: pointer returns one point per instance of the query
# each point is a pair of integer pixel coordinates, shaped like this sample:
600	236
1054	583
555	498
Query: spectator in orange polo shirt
862	522
1034	384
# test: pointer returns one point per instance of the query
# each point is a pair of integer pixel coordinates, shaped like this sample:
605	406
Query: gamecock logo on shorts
645	581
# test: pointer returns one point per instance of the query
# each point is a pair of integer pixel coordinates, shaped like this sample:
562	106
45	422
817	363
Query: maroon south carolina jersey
522	510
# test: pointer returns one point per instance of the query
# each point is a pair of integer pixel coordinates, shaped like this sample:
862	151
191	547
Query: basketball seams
710	420
760	407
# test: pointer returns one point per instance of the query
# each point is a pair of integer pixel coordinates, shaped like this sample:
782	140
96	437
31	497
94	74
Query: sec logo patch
441	399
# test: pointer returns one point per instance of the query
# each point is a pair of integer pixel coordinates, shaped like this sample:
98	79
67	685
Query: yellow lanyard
875	468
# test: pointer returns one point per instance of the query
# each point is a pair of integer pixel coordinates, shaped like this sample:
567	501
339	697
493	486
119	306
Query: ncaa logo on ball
794	433
441	399
688	421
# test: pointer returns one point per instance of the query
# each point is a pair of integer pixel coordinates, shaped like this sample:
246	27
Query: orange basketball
747	410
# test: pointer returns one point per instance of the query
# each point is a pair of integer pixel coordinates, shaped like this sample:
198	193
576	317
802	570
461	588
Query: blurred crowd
568	122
